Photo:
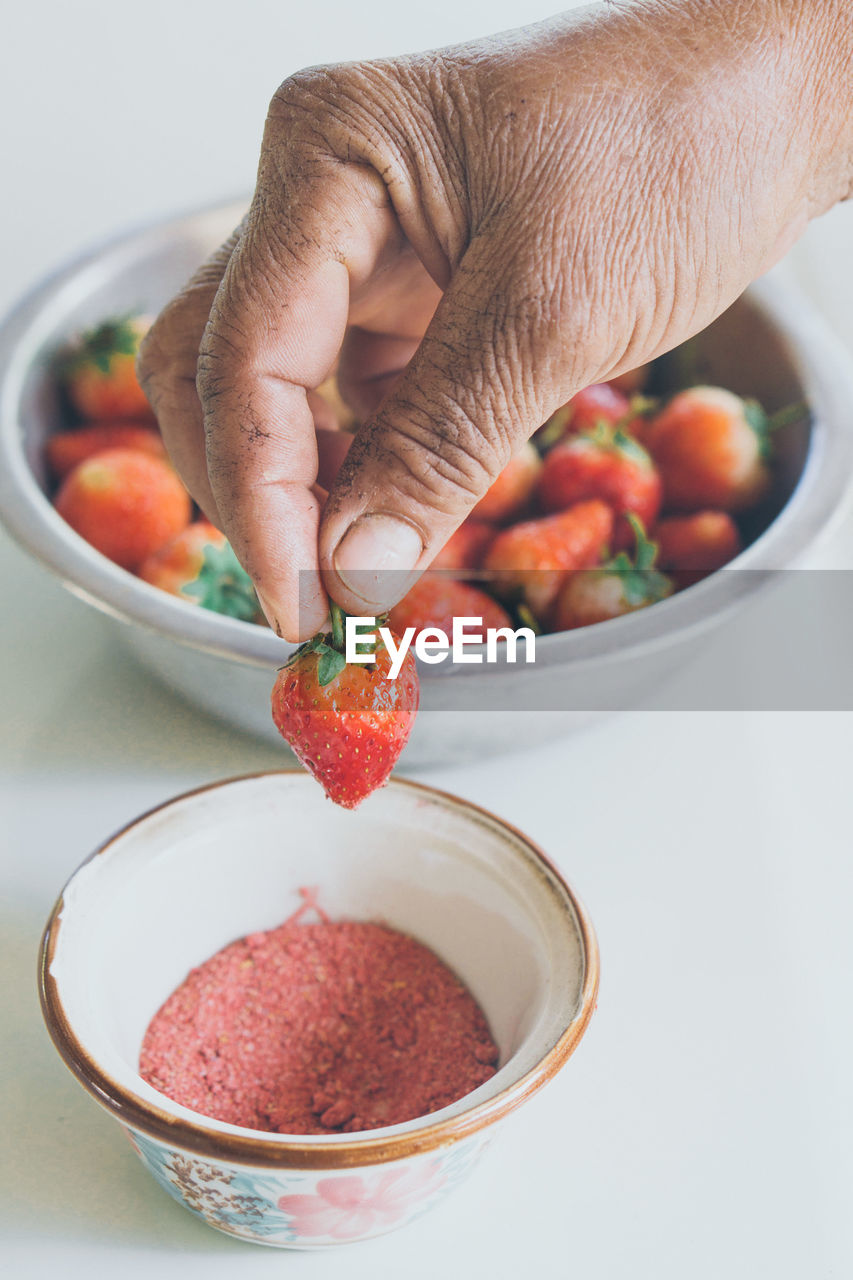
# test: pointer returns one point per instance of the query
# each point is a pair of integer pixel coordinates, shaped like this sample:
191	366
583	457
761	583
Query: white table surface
705	1126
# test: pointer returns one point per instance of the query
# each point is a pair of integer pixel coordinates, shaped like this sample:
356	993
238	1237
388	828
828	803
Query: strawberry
531	560
633	381
693	546
711	448
99	373
67	448
621	586
465	549
199	565
608	464
127	504
600	403
346	722
513	489
596	404
434	601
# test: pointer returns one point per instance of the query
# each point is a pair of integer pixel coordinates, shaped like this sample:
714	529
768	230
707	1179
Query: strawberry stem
787	416
554	429
527	618
645	551
337	626
641	407
642	583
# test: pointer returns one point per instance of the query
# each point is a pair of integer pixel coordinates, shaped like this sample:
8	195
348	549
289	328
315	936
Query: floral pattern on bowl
301	1209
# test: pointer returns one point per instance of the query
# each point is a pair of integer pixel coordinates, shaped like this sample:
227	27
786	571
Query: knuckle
302	106
325	87
303	87
349	113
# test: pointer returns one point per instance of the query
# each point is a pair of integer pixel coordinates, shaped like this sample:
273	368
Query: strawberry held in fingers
621	586
346	722
530	560
711	448
99	374
608	464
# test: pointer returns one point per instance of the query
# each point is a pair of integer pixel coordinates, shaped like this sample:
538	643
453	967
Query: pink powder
314	1028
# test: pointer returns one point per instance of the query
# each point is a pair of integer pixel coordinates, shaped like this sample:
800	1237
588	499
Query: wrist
769	82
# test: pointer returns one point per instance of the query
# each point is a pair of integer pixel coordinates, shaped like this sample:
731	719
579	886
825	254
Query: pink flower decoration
348	1207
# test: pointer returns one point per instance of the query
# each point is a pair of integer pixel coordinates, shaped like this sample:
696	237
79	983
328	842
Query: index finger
275	330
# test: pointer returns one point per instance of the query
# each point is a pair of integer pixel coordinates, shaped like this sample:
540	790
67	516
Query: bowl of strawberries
630	526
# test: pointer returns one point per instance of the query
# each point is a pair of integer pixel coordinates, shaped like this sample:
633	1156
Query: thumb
469	398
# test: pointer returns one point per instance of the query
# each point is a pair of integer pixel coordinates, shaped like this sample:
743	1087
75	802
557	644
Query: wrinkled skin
544	209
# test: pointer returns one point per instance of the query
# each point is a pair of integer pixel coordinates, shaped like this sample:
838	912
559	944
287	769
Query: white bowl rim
248	1146
819	358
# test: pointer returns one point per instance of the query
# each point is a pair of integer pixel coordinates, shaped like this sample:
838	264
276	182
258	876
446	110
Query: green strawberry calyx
552	431
616	439
642	583
527	618
115	337
765	424
329	647
223	585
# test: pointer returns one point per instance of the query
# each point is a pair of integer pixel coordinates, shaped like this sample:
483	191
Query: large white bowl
770	345
214	865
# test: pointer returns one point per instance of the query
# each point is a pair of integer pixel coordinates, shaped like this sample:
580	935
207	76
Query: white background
704	1128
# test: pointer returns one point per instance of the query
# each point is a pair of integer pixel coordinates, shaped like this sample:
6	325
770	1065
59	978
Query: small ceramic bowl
212	865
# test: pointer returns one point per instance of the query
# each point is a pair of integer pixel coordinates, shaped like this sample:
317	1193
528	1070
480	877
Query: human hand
475	234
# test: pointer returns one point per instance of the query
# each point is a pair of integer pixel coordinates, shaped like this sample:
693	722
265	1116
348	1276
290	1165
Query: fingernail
373	548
